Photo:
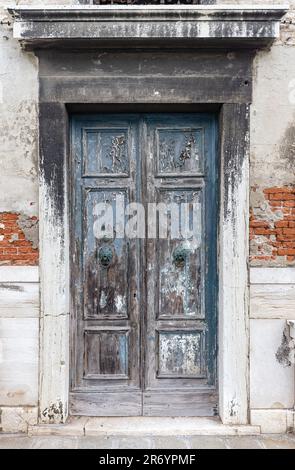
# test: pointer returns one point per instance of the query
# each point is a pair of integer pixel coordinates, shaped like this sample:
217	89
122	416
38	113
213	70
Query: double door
143	252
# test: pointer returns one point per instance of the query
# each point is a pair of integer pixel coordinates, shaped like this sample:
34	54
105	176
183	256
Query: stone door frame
233	367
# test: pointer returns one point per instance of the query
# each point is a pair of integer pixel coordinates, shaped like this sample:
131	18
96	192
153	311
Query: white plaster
271	383
272	275
19	274
18	125
17	419
272	293
272	301
19	361
273	72
19	300
270	421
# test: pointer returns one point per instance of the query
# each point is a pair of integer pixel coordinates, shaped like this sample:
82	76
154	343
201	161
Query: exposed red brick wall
278	232
15	249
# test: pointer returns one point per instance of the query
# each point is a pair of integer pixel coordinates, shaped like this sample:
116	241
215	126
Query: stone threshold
142	426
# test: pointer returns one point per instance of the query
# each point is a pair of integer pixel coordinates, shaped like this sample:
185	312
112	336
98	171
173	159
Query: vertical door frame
233	367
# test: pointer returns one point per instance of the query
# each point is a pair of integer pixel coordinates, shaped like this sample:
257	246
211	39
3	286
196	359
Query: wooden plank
193	403
272	301
106	403
19	299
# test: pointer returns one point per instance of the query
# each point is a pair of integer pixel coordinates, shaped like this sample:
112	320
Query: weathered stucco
272	142
272	152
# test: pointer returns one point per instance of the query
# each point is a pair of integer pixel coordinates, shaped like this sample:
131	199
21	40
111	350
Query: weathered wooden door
144	276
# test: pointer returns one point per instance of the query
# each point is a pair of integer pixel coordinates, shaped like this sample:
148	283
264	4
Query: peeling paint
287	147
29	225
233	407
54	413
11	287
284	350
120	303
180	354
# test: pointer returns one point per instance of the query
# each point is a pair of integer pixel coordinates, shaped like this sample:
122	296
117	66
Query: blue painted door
144	234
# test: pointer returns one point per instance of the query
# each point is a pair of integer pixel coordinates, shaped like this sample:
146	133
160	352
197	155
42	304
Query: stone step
143	426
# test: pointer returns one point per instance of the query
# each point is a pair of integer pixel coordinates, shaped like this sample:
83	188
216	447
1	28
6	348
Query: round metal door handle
105	256
180	255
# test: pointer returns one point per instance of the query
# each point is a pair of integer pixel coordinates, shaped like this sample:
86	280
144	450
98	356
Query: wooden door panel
180	334
180	403
180	354
179	151
107	151
144	310
106	354
106	289
106	311
179	267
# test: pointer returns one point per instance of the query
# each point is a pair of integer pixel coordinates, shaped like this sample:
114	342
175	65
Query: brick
24	262
285	189
9	250
15	249
289	231
282	223
9	216
5	243
4	258
286	252
285	238
275	203
264	231
281	196
279	230
288	203
277	244
259	223
285	246
25	250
